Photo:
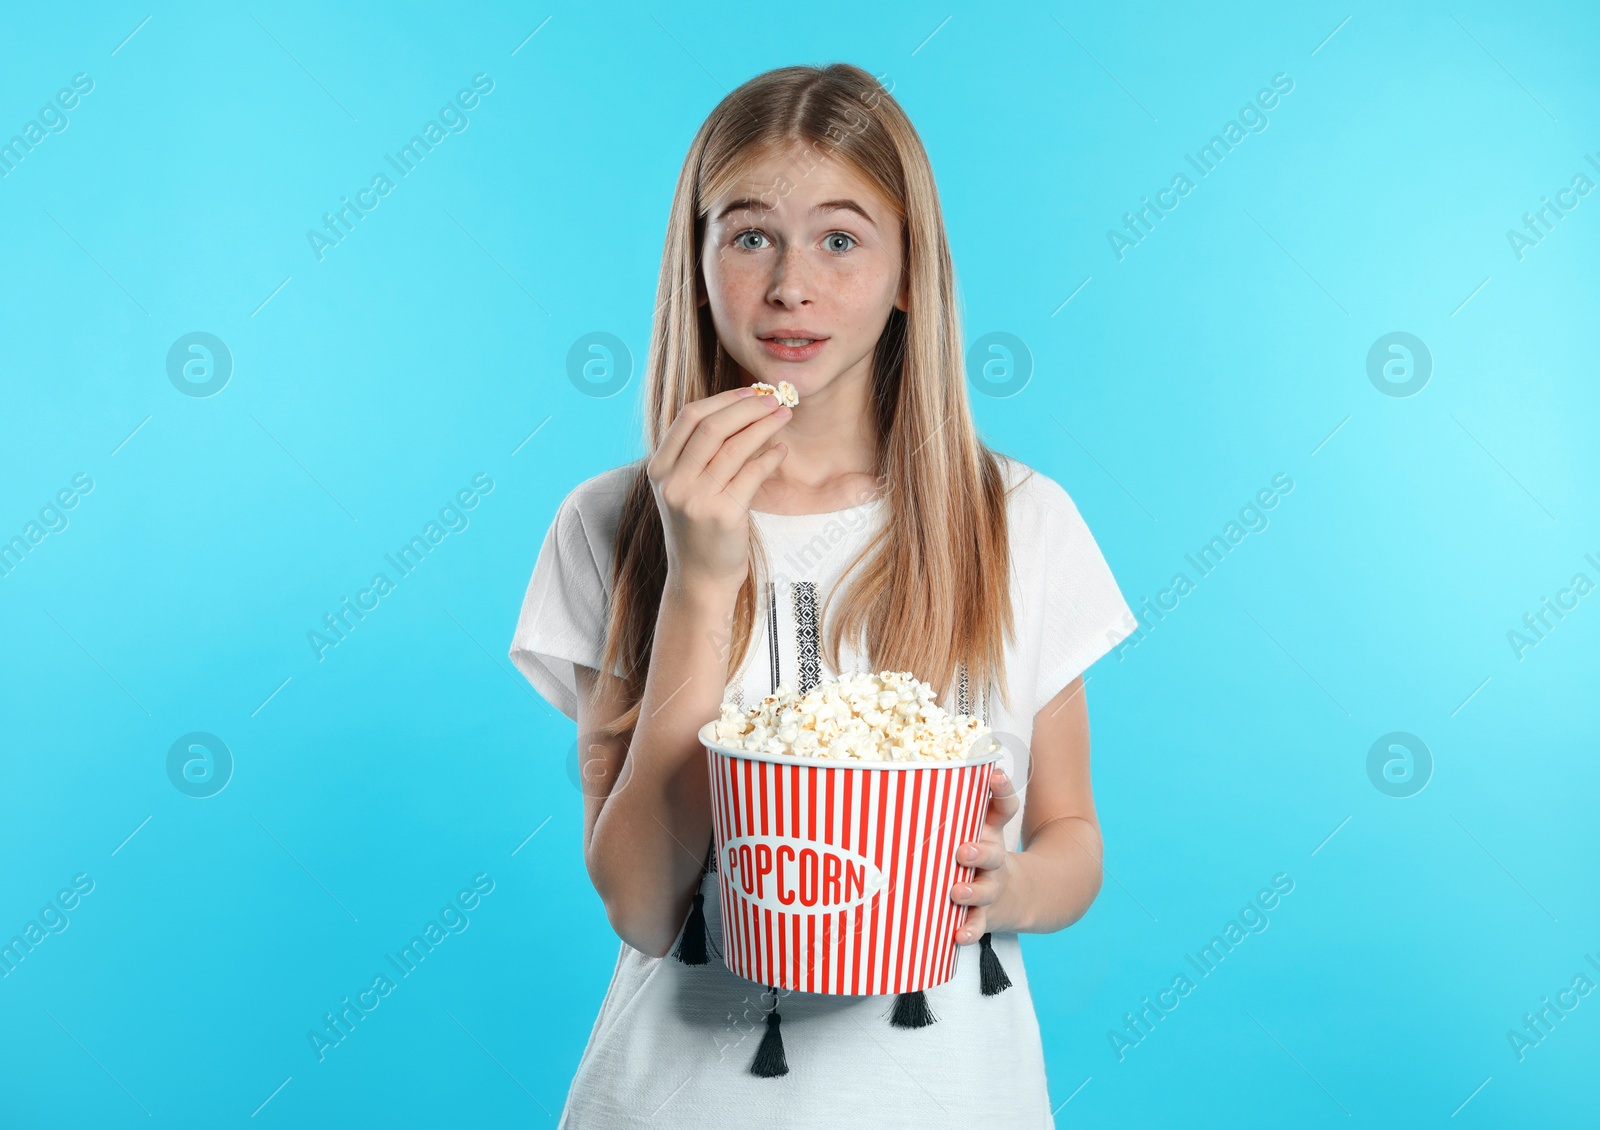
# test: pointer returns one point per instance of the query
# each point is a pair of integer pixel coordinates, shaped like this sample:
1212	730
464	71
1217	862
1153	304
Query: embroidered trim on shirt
772	632
805	635
964	697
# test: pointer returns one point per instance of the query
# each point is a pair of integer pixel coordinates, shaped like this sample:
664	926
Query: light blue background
368	787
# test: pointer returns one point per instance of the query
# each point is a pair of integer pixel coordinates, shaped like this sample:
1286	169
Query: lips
792	343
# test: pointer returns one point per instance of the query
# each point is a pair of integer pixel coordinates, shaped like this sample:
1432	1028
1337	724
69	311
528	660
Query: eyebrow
750	205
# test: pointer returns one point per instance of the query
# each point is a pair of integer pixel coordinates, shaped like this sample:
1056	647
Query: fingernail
747	391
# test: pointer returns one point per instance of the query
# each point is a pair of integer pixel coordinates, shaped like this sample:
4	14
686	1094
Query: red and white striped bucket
835	875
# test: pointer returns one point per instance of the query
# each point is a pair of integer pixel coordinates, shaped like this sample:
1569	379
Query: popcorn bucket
835	875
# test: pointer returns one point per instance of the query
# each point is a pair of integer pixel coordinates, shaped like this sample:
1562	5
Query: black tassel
911	1010
692	948
991	974
769	1061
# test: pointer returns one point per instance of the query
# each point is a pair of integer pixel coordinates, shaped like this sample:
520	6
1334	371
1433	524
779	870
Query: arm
645	838
1053	881
647	828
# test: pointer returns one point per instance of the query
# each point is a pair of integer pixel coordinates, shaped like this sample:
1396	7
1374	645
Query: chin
804	383
806	378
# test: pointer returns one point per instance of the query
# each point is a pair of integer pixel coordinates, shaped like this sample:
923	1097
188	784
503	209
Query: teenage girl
867	528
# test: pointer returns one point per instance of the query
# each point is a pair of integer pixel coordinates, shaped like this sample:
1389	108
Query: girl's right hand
704	474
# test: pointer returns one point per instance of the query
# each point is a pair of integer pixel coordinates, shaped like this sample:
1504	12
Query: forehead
790	183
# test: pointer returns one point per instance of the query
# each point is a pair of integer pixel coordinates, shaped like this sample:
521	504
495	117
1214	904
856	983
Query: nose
791	285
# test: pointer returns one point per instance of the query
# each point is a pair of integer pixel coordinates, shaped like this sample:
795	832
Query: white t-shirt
673	1043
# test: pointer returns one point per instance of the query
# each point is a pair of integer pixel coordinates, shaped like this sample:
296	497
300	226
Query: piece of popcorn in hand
785	392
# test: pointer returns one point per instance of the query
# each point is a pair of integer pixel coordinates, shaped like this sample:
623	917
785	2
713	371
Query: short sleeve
564	611
1077	611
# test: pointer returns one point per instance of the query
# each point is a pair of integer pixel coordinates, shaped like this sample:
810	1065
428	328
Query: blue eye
741	235
842	235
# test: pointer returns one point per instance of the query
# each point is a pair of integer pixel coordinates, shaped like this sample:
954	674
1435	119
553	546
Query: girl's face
801	248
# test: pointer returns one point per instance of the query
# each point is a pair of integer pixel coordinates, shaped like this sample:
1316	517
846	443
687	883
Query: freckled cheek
856	297
738	294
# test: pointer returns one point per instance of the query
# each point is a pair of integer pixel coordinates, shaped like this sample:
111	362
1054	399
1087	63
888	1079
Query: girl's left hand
990	857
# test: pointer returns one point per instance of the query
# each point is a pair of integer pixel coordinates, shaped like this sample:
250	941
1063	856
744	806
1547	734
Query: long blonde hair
933	588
